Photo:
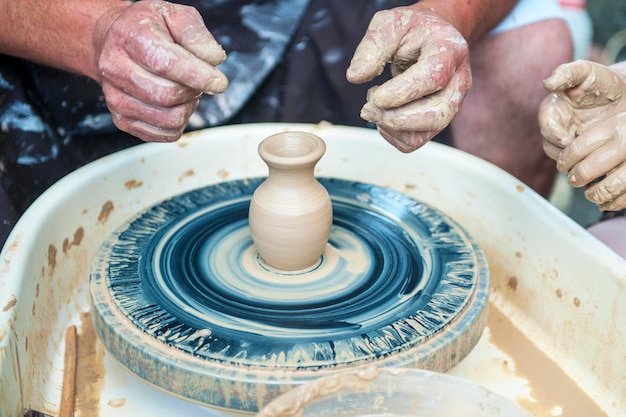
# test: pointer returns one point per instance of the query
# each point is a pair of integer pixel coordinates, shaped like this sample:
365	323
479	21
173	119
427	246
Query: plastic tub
372	392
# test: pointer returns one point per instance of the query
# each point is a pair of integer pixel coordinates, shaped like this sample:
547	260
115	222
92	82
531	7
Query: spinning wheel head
182	299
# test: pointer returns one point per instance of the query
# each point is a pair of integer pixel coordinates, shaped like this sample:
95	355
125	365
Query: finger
556	121
589	84
173	62
618	203
567	76
156	51
432	113
146	132
599	150
431	73
187	29
376	48
580	149
610	188
406	142
146	86
173	118
551	150
423	115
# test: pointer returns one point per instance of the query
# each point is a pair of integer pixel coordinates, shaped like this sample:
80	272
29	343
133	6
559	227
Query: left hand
431	74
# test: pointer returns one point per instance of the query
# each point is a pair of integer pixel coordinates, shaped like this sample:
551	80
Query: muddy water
553	392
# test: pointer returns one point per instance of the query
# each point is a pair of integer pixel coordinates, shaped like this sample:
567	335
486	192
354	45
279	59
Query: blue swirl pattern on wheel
399	283
395	273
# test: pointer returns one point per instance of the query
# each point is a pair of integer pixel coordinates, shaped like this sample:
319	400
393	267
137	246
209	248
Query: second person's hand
583	124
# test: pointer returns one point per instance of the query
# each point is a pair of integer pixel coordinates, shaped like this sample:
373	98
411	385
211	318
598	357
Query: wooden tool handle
68	391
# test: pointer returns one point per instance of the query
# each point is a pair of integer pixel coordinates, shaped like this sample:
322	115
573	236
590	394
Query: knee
513	64
552	38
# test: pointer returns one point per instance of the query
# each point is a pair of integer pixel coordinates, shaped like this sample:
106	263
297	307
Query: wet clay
552	392
582	123
290	212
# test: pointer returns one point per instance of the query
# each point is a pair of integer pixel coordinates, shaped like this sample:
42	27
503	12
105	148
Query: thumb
375	49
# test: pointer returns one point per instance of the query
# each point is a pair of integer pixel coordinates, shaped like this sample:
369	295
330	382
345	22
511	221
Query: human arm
427	45
583	122
152	58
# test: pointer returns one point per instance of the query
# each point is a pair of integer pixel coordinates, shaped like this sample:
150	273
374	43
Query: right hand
154	61
583	123
431	74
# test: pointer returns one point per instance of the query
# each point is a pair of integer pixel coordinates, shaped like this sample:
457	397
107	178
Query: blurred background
608	18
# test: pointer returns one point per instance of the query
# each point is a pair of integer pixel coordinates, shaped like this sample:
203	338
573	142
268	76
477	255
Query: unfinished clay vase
290	212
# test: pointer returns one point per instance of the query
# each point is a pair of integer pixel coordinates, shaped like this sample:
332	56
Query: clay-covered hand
154	60
583	123
431	74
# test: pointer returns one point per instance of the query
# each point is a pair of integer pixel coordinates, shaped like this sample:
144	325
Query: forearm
56	33
472	18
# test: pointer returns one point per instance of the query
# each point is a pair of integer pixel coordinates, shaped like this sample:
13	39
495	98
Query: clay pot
290	212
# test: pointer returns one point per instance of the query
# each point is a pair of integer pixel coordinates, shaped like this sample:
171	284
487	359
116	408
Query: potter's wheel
182	300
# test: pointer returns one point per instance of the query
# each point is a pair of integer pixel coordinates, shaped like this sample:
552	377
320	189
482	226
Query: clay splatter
117	402
79	234
52	258
130	184
186	174
12	302
105	212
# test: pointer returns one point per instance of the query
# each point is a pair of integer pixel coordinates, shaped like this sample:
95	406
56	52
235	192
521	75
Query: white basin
554	343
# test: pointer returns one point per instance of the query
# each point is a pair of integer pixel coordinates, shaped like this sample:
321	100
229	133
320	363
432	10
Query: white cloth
530	11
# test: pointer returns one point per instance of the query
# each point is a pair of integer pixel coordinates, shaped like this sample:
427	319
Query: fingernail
218	84
218	55
571	178
354	71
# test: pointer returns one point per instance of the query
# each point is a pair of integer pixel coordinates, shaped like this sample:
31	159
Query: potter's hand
583	93
431	74
598	157
583	123
155	59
